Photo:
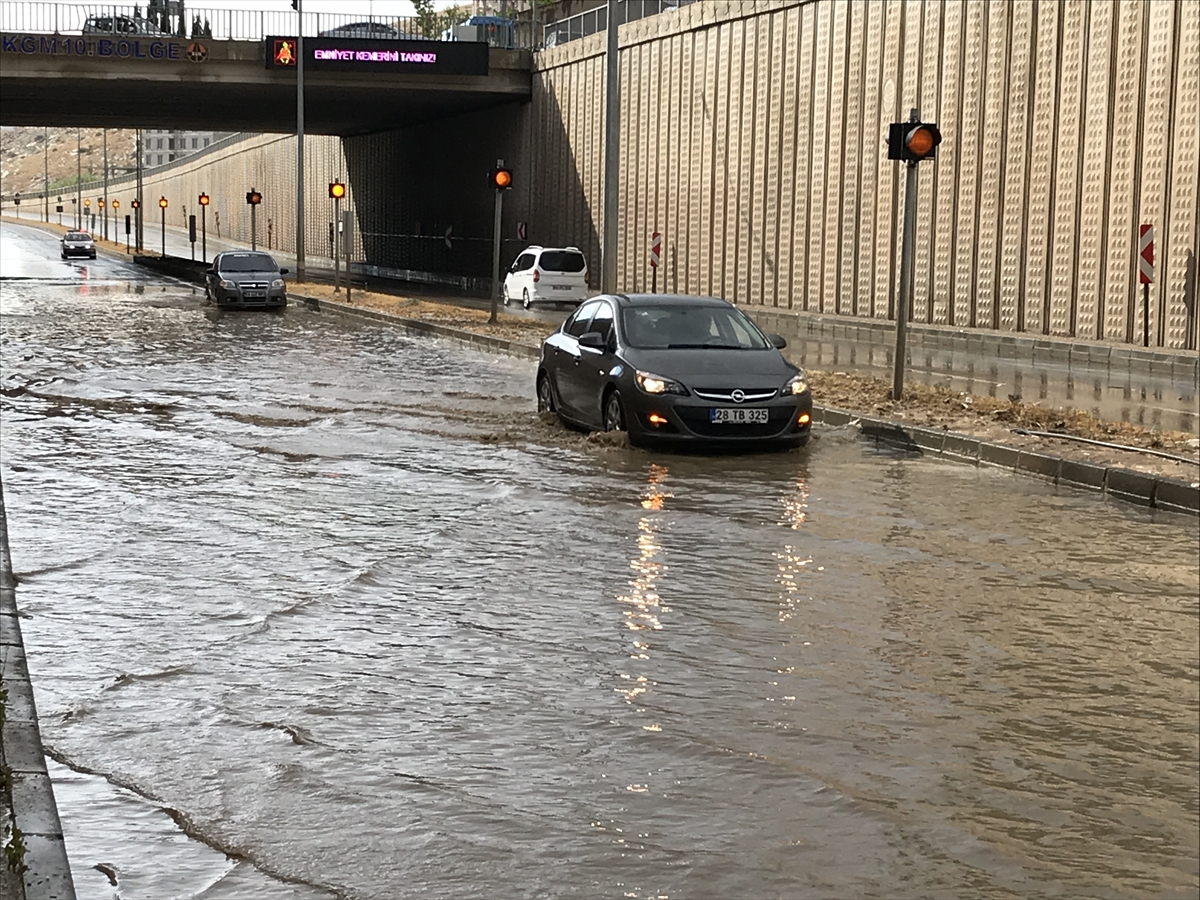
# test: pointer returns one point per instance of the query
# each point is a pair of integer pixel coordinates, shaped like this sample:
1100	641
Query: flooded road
339	605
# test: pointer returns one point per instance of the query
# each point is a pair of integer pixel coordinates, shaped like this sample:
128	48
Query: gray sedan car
78	243
688	371
245	279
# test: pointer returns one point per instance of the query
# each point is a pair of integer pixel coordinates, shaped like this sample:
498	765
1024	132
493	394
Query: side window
524	262
578	323
602	321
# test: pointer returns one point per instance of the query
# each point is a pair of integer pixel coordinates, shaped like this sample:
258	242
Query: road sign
449	245
522	231
655	249
1146	254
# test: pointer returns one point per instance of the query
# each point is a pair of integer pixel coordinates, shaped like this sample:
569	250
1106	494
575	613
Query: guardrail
180	20
583	24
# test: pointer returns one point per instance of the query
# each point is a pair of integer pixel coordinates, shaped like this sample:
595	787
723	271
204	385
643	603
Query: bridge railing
583	24
128	20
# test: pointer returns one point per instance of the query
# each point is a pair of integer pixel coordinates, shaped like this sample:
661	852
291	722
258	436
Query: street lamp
162	204
337	190
254	198
204	228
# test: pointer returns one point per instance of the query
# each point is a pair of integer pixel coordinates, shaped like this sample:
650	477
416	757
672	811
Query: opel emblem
738	396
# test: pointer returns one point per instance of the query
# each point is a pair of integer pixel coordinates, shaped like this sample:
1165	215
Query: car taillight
537	276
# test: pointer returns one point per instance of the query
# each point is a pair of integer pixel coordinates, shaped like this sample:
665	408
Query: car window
578	323
681	327
524	261
562	261
602	321
250	262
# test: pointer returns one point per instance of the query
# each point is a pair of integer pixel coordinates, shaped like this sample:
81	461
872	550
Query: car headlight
796	385
228	285
656	384
277	283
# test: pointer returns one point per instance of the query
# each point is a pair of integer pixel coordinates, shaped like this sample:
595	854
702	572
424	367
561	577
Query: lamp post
105	203
103	215
254	198
299	140
79	179
162	205
204	228
337	191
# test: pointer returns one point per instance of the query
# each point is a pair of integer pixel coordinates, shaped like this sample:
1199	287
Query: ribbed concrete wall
752	136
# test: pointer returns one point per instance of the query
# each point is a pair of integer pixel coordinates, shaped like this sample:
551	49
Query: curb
48	874
1121	484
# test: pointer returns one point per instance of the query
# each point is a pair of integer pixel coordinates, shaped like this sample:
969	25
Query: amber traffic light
337	190
87	201
253	197
135	203
913	141
204	199
116	204
162	202
502	178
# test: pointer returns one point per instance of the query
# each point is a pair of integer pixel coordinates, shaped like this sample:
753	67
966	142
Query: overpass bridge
56	69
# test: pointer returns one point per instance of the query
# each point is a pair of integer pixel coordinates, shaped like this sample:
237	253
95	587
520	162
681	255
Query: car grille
725	395
696	419
253	285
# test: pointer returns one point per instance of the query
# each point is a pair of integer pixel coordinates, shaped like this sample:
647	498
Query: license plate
561	287
735	416
256	295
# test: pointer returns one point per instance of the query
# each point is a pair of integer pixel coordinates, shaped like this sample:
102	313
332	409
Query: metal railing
583	24
133	21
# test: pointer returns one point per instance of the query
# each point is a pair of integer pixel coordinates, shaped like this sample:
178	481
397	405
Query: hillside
23	160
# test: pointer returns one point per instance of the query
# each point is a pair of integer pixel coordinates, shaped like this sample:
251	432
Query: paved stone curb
48	876
1122	484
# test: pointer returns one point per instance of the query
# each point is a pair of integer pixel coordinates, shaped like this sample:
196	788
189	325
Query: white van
547	275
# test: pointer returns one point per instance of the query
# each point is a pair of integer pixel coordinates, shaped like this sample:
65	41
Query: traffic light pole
337	245
496	252
903	295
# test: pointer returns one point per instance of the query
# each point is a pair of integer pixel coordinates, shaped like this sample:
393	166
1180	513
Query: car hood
239	277
700	368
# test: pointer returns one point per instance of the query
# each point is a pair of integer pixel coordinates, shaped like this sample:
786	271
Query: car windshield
561	261
76	236
258	262
691	327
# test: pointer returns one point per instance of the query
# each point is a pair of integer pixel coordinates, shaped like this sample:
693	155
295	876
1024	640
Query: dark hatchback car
673	370
245	279
78	243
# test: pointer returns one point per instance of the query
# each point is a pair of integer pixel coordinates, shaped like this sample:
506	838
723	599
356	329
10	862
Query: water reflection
642	605
792	561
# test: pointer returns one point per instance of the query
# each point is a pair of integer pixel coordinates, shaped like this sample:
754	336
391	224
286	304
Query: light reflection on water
278	582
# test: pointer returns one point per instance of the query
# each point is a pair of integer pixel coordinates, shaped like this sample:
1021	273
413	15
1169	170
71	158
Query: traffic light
253	197
337	190
162	202
116	204
913	141
87	201
204	199
502	178
135	203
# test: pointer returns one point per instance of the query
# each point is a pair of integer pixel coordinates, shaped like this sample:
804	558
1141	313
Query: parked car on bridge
374	30
111	24
245	279
78	243
668	369
546	275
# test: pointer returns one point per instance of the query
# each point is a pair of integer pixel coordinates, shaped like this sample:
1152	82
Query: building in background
161	146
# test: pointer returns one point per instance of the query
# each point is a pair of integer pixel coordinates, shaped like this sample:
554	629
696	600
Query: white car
547	275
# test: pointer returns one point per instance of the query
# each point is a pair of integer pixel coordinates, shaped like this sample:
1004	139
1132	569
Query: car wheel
504	295
525	298
614	412
545	395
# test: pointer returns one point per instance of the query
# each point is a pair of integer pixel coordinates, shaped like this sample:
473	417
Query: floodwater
315	609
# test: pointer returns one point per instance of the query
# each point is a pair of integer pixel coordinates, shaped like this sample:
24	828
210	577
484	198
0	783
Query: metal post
78	180
612	109
1146	314
46	170
164	229
299	141
106	184
906	255
496	250
348	244
204	233
139	241
337	244
253	226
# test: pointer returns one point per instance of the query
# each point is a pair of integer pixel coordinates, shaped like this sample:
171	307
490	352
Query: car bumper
80	252
275	299
549	295
689	422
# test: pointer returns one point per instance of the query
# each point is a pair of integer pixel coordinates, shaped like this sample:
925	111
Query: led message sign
408	57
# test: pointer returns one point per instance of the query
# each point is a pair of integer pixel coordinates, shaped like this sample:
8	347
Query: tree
427	17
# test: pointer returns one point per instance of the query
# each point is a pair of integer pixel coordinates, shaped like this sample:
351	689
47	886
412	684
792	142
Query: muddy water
363	625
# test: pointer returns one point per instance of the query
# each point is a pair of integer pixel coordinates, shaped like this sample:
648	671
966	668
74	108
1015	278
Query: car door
211	277
569	379
518	276
592	365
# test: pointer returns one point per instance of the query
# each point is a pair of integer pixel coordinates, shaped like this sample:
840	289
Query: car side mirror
284	271
777	340
593	340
